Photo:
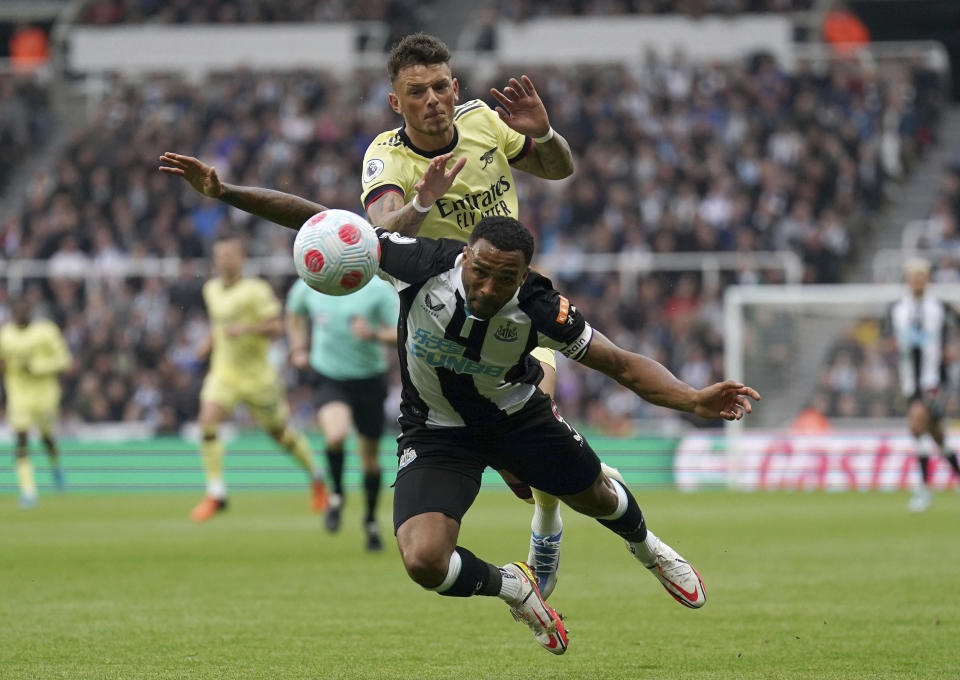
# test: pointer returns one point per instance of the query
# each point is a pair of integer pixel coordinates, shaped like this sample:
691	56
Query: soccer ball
336	252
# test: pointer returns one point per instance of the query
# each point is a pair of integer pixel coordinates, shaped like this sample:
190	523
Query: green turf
799	586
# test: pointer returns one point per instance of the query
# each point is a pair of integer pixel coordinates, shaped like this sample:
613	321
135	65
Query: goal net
832	414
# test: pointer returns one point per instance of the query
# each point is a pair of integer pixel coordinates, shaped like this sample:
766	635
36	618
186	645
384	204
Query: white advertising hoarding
831	462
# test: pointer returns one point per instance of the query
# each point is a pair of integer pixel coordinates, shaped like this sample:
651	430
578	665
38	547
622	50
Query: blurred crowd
24	119
528	9
241	11
860	378
940	233
671	156
265	11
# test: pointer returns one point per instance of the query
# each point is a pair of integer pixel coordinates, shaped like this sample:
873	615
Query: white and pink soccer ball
336	252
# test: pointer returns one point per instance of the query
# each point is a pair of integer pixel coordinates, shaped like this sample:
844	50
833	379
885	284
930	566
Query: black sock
371	485
952	459
924	462
631	526
476	577
335	463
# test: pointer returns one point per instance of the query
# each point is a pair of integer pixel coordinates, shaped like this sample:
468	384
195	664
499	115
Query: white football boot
921	500
676	575
544	560
529	608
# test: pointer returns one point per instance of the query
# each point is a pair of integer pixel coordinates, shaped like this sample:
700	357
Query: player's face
917	281
21	312
491	277
228	257
425	96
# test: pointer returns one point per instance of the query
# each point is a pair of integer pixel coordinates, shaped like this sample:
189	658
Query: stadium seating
671	156
24	118
526	9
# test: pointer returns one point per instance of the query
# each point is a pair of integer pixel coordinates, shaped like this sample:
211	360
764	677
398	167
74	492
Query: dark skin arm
275	206
654	383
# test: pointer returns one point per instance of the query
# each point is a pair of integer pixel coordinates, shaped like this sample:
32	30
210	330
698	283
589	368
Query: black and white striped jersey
920	326
457	369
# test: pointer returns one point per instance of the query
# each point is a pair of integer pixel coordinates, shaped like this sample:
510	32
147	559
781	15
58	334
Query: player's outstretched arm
522	110
654	383
278	207
392	213
298	339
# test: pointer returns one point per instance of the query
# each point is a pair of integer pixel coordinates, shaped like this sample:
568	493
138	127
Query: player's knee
335	439
597	500
522	491
426	565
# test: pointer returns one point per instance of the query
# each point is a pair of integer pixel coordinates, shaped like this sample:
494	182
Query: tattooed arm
393	214
275	206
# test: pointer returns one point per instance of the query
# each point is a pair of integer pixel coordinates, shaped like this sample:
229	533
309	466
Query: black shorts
364	396
440	469
935	400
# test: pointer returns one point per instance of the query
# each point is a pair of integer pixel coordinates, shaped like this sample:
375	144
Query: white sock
216	489
622	502
336	500
546	521
453	571
509	586
645	551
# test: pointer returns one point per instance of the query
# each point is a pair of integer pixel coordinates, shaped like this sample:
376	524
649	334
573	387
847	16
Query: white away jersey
457	369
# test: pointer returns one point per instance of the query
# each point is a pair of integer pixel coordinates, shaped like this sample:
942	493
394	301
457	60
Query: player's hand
521	108
198	174
361	329
437	180
300	358
235	330
727	400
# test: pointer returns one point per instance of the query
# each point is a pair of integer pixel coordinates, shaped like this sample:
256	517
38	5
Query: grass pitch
799	586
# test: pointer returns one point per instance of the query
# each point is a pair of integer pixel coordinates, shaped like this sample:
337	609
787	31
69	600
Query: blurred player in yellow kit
32	353
245	315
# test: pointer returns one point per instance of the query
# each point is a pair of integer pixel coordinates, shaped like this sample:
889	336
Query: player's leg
432	492
610	502
24	468
53	454
366	403
918	422
369	448
216	403
549	454
269	408
939	435
546	526
46	422
335	418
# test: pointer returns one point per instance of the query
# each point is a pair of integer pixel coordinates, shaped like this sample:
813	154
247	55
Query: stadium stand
672	156
527	9
24	118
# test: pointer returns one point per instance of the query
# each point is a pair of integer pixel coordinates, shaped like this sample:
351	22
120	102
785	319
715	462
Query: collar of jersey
430	154
510	304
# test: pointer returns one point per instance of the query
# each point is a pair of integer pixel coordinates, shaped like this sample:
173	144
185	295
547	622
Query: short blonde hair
916	264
